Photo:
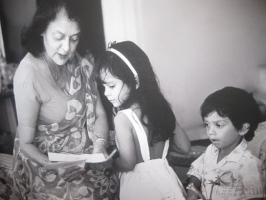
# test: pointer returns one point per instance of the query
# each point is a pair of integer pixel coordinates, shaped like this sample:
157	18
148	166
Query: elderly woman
59	110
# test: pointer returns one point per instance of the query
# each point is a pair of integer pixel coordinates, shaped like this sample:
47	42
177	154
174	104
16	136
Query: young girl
144	125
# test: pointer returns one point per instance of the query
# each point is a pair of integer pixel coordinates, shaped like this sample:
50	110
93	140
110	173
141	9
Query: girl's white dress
151	179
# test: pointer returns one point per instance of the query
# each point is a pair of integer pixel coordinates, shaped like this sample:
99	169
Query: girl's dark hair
161	120
47	11
236	104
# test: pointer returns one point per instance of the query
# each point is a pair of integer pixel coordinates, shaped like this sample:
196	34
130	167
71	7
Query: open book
67	160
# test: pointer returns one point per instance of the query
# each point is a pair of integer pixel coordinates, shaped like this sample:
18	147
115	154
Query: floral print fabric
73	134
229	179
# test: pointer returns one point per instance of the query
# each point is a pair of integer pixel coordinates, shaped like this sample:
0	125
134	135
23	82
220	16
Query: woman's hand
103	165
70	173
99	146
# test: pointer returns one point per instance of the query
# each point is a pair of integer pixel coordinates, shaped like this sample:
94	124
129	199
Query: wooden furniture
8	122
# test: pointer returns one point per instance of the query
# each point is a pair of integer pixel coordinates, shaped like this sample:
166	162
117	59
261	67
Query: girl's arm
125	141
180	143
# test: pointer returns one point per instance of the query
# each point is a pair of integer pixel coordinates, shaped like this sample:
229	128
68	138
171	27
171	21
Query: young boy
227	170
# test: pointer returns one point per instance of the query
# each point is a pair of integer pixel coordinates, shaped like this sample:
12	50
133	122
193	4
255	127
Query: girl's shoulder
122	122
122	116
129	114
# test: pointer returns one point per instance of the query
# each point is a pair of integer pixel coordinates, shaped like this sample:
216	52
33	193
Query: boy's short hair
236	104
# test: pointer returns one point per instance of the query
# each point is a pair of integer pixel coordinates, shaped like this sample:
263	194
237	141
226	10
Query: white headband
120	55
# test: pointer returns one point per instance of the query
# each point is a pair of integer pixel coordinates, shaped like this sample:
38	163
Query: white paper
67	160
63	157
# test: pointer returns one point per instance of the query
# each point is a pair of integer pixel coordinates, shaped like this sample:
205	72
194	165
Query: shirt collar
236	154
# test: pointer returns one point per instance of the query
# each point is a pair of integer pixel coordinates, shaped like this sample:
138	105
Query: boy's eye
219	125
206	125
111	86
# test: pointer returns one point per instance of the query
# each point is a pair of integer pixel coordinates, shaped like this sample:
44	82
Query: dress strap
166	147
142	137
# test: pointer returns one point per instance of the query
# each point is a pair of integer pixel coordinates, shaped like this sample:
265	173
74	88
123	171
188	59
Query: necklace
55	77
54	74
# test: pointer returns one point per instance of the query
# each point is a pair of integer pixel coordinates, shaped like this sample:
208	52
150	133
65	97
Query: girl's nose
106	92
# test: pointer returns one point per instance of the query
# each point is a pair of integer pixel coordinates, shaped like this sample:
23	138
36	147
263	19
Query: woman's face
61	38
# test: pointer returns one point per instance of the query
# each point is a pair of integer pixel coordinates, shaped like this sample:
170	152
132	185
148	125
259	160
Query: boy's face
222	132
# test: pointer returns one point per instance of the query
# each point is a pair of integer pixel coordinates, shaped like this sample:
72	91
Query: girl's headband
120	55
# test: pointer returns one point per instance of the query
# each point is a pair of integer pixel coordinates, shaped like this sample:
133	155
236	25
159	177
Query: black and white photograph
132	100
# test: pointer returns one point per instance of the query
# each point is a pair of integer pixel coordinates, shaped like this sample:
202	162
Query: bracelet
103	141
45	162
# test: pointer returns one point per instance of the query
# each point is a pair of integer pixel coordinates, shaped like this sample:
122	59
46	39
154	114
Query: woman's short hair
47	11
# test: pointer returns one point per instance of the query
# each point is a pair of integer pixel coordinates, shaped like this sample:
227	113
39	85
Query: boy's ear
244	129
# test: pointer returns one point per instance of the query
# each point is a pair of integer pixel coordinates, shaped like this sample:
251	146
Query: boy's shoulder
211	149
248	156
240	153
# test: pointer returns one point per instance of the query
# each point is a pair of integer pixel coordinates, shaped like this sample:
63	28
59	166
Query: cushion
6	181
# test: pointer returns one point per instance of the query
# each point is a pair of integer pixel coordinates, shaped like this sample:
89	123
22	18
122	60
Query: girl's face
116	91
61	38
222	132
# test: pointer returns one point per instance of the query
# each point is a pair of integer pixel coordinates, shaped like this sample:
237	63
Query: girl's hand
70	173
102	165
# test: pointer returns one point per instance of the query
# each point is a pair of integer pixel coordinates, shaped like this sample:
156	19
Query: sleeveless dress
65	124
151	179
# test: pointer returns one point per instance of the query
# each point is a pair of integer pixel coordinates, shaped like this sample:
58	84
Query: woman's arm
27	106
180	142
101	128
127	152
26	138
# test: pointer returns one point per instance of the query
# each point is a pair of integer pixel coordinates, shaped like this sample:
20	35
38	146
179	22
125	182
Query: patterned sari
73	134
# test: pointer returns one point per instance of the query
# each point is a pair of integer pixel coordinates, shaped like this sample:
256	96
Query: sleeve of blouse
253	182
26	97
196	168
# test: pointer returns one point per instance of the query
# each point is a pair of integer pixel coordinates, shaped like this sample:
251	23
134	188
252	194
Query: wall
196	47
15	15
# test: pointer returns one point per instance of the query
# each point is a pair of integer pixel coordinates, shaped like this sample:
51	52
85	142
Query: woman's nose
66	45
